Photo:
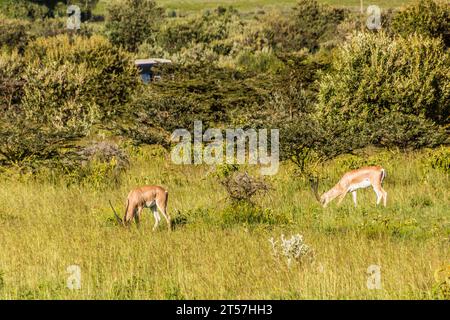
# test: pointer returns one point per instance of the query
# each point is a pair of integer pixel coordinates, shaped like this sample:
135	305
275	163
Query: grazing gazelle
352	181
153	197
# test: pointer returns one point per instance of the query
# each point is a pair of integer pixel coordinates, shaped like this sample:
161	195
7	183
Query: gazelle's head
326	197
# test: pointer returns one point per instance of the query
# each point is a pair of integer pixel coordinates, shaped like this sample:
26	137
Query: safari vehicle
145	68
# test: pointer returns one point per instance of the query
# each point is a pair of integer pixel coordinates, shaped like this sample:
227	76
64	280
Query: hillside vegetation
79	128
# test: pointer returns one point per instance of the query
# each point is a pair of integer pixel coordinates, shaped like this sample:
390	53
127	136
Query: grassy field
252	5
47	226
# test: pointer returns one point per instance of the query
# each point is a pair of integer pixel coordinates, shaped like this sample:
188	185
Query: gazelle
152	197
352	181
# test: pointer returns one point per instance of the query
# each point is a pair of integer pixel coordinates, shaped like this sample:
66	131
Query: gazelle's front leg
341	197
354	198
137	215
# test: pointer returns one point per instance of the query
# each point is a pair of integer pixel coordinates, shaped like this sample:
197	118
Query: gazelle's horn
315	187
119	220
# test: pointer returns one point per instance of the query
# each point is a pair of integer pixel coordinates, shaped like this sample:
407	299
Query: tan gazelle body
152	197
352	181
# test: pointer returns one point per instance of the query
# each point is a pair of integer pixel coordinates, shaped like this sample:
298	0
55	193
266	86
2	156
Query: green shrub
375	74
98	165
111	77
210	29
405	131
309	25
259	62
130	23
22	9
439	159
353	161
247	213
58	92
54	95
14	33
428	17
11	84
389	91
156	116
241	187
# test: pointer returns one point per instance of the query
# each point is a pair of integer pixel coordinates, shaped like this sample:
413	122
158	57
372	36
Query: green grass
252	5
47	226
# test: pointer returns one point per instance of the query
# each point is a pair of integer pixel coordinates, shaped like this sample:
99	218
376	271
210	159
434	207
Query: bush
156	116
210	29
375	74
11	83
247	213
309	25
97	164
439	159
22	9
293	249
111	77
130	23
427	17
242	188
405	131
54	95
24	138
58	92
14	33
389	91
356	161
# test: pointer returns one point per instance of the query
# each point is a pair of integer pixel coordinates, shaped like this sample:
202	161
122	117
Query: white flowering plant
293	249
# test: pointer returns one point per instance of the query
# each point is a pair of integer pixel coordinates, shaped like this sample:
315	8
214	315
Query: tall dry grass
46	226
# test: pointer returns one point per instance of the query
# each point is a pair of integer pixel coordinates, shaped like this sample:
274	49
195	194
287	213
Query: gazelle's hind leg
156	216
354	198
165	214
384	196
379	194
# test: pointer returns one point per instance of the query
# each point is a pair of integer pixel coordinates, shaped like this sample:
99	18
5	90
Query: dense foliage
132	22
427	17
395	89
312	72
57	91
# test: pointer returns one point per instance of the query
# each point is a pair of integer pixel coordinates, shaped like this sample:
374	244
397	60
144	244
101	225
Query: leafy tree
112	77
23	9
427	17
131	22
309	25
60	91
210	29
375	77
